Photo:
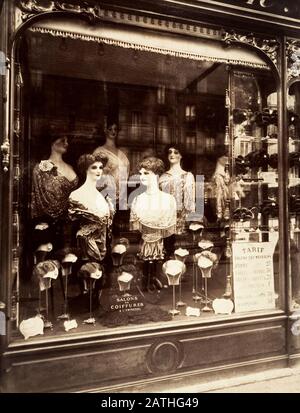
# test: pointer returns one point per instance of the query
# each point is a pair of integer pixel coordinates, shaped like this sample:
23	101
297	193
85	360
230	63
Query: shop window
293	115
108	210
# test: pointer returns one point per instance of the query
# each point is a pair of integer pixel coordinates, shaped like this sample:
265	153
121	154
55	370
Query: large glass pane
294	189
148	188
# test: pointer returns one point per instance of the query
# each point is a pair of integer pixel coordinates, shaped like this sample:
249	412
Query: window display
294	194
158	199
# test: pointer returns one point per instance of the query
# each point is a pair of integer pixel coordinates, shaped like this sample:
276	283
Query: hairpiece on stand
181	254
118	251
243	214
206	261
239	116
294	159
205	244
90	273
258	159
173	269
273	160
45	272
269	207
294	204
124	281
66	269
266	117
42	251
242	165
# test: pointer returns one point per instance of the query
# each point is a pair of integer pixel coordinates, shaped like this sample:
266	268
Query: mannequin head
223	160
111	131
149	169
92	166
60	145
174	153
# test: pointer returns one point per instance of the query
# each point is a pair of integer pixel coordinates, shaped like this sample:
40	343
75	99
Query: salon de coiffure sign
253	276
288	8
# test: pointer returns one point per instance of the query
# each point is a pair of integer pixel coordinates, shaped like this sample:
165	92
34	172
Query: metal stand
180	303
91	319
173	311
207	301
173	269
65	315
196	295
47	323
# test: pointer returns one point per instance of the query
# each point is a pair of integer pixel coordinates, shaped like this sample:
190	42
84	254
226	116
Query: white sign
253	276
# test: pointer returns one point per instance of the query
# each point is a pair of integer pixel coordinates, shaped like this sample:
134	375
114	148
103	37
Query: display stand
181	255
91	272
205	265
124	281
67	263
195	229
40	255
173	269
45	271
118	252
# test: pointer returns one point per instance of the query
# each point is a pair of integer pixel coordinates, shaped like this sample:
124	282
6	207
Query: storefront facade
149	193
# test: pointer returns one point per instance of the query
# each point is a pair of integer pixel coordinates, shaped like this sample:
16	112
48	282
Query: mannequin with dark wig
181	184
93	211
52	182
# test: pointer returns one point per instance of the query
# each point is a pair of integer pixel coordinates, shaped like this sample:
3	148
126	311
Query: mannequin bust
53	181
221	181
94	212
117	167
179	183
153	212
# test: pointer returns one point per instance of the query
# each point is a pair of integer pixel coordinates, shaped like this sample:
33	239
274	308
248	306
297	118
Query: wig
86	160
153	164
177	146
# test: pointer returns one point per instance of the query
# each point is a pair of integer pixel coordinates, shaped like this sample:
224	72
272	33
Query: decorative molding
269	47
5	149
293	58
193	29
165	356
30	8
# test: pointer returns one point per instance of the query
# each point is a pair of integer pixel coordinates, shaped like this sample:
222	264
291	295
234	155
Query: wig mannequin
179	183
52	182
153	213
117	166
93	211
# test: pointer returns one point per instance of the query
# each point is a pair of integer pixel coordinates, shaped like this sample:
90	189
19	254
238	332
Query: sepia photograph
149	199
